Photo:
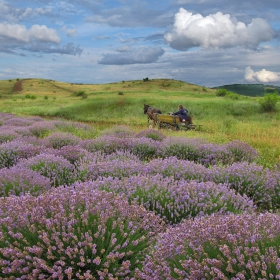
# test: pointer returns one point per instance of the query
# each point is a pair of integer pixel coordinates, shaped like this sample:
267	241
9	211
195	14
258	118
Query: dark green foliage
80	93
250	89
30	96
269	101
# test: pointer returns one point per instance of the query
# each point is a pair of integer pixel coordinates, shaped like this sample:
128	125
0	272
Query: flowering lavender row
146	144
187	149
175	200
73	233
260	184
72	163
19	181
217	247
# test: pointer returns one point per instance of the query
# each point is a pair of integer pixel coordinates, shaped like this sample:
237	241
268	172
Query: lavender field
133	205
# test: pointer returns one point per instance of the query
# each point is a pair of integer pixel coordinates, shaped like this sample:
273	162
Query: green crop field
105	105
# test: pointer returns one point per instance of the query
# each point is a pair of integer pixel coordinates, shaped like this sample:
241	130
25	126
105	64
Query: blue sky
204	42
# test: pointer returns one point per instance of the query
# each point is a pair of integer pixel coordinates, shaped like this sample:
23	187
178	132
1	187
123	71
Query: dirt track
17	86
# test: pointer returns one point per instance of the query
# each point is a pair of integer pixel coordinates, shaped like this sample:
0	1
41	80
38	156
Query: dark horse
150	111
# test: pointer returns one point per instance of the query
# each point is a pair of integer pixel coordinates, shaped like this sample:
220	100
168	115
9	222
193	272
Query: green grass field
222	118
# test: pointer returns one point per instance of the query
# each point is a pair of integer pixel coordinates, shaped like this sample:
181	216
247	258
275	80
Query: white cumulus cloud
215	31
21	33
262	76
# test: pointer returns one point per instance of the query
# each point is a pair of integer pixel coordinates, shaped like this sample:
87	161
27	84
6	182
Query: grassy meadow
223	119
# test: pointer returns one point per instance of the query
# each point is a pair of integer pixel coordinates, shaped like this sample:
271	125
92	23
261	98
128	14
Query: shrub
74	234
217	247
121	131
221	92
20	181
116	165
58	140
174	200
12	152
58	169
152	134
42	128
268	102
7	134
261	185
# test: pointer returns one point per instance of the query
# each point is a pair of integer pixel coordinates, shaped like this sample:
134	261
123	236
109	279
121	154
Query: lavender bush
72	153
12	152
58	169
20	181
258	183
117	165
121	131
58	140
18	121
175	200
206	153
152	134
106	144
217	247
7	134
178	169
42	129
74	234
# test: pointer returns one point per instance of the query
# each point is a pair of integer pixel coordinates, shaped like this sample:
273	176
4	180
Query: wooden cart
173	122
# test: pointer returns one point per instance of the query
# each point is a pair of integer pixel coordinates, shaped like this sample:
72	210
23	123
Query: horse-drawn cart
173	122
159	120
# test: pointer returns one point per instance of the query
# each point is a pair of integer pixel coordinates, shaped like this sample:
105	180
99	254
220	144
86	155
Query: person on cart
182	113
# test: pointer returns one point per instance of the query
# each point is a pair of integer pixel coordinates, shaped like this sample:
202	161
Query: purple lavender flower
175	200
74	231
121	131
12	152
7	134
20	180
58	169
60	139
151	133
217	247
251	179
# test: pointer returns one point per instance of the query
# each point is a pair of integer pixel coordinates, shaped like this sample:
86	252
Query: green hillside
250	89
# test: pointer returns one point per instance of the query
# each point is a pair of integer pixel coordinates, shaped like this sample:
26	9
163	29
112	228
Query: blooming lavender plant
206	153
121	131
175	200
57	140
106	144
7	134
20	180
217	247
178	169
12	152
241	151
152	134
58	169
118	165
42	128
72	153
74	234
18	121
251	179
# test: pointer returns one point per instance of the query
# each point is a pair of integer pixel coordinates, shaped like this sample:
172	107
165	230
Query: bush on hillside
268	102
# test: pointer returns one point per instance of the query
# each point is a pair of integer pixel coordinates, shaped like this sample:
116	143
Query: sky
204	42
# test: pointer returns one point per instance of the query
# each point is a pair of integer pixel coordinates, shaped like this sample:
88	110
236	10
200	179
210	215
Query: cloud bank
262	76
215	31
133	56
21	33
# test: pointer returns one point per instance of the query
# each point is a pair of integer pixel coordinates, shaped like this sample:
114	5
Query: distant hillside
250	89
